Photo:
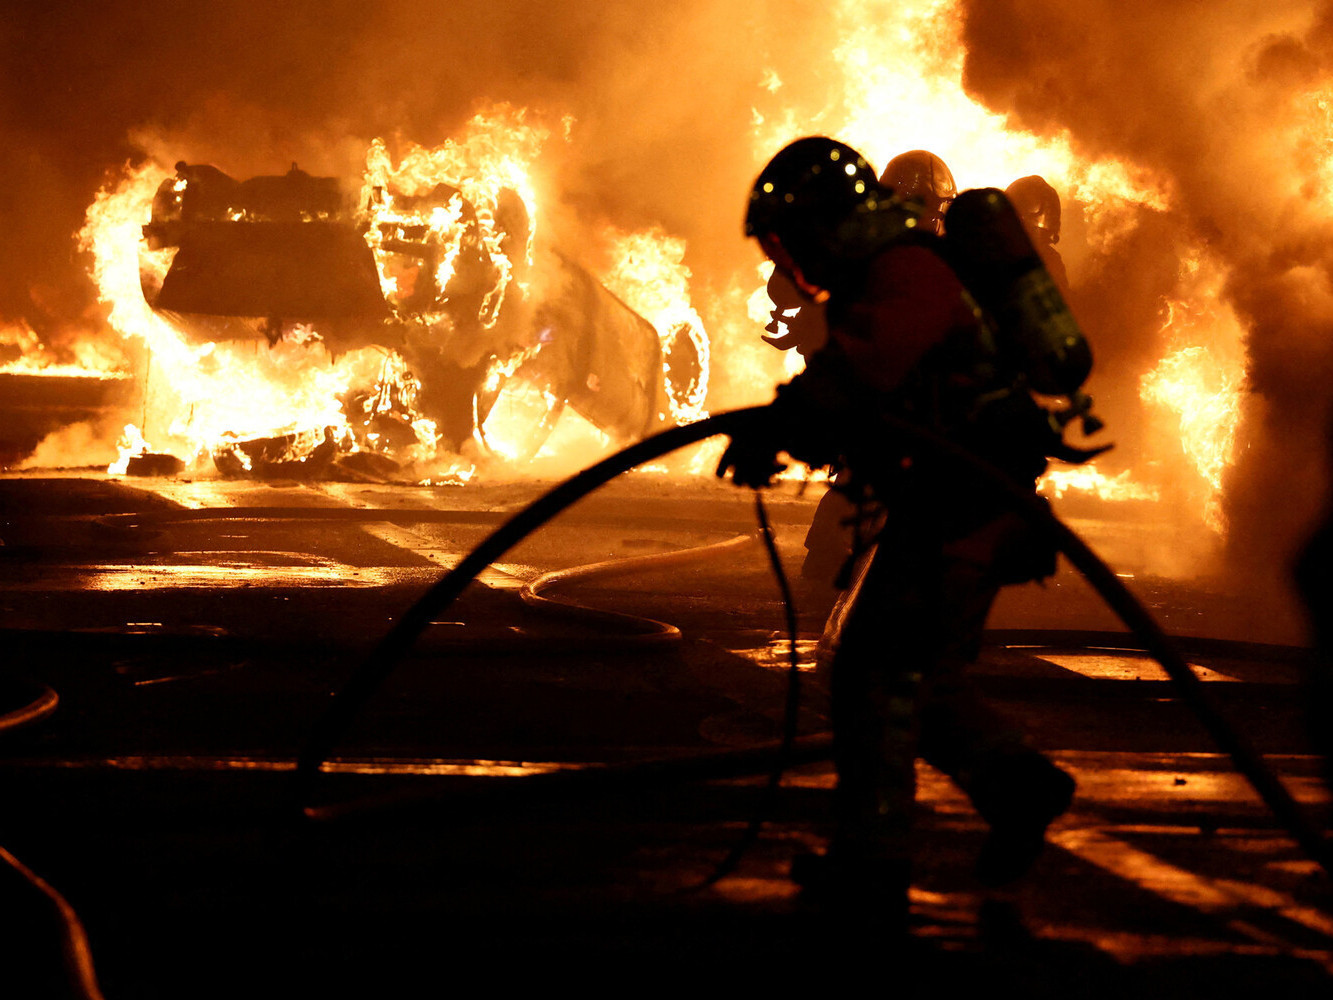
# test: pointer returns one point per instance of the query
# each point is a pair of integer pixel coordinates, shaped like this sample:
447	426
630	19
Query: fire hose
643	630
372	672
366	679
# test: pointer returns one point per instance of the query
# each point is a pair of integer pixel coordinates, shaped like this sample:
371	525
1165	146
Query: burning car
470	313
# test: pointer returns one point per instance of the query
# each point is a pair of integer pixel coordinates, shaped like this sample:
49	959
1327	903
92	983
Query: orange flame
29	355
464	210
899	69
493	156
1086	479
650	275
200	396
1198	383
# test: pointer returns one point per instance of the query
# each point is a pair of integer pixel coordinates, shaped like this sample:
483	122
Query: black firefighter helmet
818	210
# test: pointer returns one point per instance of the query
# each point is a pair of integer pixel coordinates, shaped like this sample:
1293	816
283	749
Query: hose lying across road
640	629
366	679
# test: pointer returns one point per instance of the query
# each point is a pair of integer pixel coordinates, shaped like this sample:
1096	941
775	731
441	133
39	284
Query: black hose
80	973
364	681
358	689
791	710
41	702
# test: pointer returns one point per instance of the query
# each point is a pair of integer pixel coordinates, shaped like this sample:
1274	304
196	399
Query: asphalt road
500	809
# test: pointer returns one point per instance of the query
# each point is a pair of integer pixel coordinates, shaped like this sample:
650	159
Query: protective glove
751	458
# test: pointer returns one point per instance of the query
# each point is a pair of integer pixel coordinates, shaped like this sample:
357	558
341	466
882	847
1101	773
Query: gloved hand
751	458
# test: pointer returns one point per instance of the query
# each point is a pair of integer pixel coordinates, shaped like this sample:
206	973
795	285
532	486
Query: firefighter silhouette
923	179
905	338
1038	205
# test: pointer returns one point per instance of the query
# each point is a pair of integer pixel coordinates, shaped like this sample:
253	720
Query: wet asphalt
535	797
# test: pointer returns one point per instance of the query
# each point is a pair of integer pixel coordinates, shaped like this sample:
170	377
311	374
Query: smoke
652	112
648	106
658	95
1228	105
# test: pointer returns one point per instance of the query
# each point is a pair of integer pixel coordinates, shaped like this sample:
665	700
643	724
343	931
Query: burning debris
43	390
414	316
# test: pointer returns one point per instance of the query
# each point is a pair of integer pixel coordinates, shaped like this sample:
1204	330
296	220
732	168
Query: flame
493	156
197	395
451	231
1204	394
31	356
1088	479
893	82
897	85
649	274
131	445
901	74
1199	381
202	399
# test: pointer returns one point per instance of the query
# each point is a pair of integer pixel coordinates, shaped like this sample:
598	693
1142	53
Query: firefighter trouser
899	690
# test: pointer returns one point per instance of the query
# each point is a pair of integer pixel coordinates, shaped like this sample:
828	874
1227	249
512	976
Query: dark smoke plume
1227	103
659	94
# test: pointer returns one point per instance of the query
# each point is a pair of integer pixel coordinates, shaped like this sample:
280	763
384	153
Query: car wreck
461	292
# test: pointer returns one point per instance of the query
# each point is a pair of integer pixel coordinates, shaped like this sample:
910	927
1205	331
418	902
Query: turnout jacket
908	341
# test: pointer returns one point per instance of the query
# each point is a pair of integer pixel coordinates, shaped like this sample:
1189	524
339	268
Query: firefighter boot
1019	799
873	893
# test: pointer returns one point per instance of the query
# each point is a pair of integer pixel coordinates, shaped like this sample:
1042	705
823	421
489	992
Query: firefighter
922	177
904	338
1038	205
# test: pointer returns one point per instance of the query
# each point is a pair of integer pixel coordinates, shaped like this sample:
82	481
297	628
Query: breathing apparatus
818	209
1036	334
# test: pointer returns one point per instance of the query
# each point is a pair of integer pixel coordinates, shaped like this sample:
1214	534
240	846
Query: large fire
460	241
1199	380
901	88
468	288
